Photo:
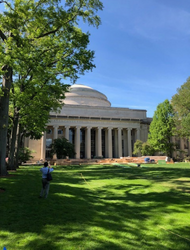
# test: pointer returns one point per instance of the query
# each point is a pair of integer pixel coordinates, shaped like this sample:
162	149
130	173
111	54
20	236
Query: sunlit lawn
97	207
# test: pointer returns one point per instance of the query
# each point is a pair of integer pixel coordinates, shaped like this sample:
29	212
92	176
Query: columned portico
117	141
94	127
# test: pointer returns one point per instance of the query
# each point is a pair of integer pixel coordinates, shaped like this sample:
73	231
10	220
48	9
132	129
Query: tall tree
40	42
32	118
181	104
162	128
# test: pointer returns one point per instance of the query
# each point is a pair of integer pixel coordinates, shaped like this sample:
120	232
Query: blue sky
142	52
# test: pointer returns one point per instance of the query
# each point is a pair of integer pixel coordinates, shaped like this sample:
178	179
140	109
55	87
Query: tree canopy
41	44
181	104
162	128
143	148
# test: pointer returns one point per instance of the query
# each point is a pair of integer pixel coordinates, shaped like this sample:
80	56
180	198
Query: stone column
129	142
110	143
88	143
77	142
67	132
119	143
55	135
43	146
125	142
138	134
99	142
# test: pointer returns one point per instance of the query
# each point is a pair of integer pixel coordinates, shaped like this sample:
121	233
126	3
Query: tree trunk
19	141
13	142
4	111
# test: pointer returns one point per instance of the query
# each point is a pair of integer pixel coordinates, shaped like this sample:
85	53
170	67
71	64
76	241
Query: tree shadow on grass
76	215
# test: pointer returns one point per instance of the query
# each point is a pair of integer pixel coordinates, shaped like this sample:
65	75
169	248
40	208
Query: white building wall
100	112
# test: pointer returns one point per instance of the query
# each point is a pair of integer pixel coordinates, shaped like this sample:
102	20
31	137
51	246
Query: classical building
93	126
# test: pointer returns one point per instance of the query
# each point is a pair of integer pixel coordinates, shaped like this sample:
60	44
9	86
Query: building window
48	148
48	143
113	142
93	135
60	131
123	148
103	143
82	143
49	131
72	135
48	154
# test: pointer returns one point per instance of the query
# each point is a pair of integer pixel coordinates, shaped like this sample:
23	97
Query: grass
97	207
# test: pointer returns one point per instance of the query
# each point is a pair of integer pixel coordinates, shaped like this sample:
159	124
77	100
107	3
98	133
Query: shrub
63	148
187	159
24	155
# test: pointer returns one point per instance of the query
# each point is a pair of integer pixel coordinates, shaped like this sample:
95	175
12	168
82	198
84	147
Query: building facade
93	126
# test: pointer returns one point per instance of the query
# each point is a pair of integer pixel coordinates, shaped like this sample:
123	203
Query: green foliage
137	147
181	104
41	45
187	159
1	92
144	148
147	149
45	45
162	129
63	148
25	155
44	37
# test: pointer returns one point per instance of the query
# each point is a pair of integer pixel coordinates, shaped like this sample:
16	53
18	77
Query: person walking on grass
45	183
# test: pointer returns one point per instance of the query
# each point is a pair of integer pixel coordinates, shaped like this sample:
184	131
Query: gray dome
83	95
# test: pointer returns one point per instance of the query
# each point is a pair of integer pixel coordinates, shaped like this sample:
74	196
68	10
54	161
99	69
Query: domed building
93	126
83	95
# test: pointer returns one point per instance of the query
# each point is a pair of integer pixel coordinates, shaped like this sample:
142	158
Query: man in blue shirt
45	182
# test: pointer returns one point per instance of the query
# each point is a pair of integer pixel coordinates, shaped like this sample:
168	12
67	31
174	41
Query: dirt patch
2	190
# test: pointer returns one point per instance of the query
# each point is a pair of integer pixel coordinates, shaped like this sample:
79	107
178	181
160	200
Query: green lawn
97	207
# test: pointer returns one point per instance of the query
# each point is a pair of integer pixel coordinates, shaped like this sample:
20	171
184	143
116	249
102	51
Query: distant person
147	159
6	161
45	182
